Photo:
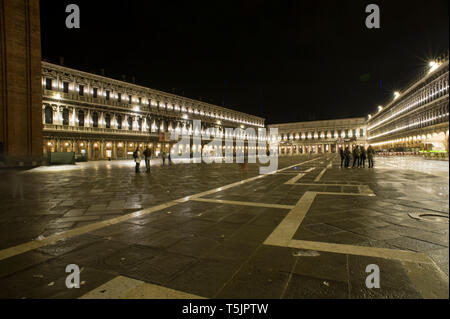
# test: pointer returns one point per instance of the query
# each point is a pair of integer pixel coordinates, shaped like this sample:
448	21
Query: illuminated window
48	115
95	119
66	116
80	118
48	84
108	121
130	123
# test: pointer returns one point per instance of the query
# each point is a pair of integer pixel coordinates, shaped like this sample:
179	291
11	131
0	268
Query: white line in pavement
282	235
320	175
122	287
294	179
232	202
361	250
35	244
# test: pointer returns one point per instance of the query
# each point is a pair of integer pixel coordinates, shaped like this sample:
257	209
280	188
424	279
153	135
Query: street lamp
433	66
396	95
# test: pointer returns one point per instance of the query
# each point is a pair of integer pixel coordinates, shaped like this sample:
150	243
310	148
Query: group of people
137	155
359	155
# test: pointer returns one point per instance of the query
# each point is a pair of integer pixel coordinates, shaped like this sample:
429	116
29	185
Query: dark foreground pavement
194	230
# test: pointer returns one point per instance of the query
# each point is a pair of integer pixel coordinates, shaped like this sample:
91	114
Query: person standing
169	157
347	157
355	156
341	153
370	155
163	155
363	156
147	155
137	159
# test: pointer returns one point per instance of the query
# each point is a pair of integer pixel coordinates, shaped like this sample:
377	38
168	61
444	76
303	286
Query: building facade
98	117
320	136
417	118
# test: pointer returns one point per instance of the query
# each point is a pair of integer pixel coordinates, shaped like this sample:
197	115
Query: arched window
48	115
149	124
65	116
108	121
81	118
130	123
119	122
95	119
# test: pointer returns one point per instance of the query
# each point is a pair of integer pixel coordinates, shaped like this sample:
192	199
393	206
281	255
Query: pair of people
163	156
147	155
138	157
359	154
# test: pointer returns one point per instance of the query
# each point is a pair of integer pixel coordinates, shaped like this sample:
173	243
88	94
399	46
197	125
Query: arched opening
81	118
95	119
130	123
108	121
119	122
65	115
48	114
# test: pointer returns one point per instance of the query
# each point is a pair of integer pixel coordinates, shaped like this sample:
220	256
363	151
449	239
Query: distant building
320	136
417	117
99	117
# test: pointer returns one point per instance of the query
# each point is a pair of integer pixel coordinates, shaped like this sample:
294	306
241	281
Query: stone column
114	150
102	149
89	150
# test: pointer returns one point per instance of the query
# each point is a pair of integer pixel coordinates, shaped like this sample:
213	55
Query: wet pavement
218	231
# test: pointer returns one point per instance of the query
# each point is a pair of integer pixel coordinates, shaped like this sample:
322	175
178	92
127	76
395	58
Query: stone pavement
217	231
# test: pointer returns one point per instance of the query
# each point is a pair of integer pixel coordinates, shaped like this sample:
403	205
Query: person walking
163	155
370	155
147	155
363	156
169	157
137	159
347	157
341	153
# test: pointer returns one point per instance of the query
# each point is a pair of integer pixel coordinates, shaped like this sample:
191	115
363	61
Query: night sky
283	60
